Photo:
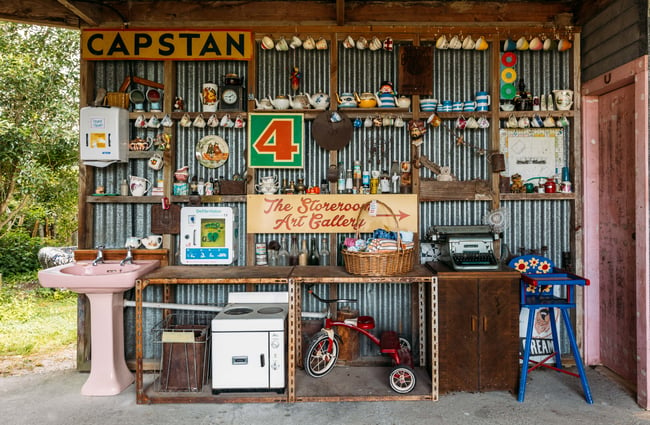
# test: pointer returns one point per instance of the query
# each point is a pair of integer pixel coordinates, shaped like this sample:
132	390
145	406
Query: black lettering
165	41
141	41
231	44
118	46
190	38
90	47
210	45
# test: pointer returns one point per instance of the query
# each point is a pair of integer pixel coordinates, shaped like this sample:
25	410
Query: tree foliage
39	80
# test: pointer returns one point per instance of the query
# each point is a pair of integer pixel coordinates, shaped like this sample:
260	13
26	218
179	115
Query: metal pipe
172	306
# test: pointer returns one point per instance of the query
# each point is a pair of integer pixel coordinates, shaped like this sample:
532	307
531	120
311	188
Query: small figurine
517	185
386	95
178	104
417	129
296	76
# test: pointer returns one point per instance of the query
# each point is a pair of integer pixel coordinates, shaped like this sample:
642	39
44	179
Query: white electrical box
208	235
104	135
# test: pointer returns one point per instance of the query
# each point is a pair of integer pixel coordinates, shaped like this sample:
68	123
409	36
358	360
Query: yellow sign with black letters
152	44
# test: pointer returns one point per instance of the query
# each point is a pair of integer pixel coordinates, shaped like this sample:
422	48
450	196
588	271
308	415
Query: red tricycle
323	348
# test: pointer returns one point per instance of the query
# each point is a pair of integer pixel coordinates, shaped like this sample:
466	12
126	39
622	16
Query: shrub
18	253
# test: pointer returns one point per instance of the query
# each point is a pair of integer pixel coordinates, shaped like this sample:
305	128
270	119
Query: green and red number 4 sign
275	140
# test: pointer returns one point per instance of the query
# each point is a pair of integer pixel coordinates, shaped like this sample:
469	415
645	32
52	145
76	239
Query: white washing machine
249	343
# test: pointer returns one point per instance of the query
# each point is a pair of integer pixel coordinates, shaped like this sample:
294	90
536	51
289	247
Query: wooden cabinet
478	327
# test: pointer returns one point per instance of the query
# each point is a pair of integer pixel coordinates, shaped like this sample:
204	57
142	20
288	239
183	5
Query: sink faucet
100	255
129	256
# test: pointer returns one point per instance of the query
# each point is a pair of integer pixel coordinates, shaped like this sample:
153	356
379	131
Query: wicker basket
379	263
119	99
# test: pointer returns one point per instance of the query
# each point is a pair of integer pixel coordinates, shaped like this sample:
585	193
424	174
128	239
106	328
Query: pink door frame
635	72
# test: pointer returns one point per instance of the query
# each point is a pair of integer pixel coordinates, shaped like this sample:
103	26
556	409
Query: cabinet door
498	334
457	333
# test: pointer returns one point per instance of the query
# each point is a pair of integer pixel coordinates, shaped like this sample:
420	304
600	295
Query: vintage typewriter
466	247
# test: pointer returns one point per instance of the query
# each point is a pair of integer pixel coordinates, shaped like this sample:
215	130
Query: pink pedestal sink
104	285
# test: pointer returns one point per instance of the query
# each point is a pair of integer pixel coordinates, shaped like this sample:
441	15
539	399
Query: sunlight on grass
30	324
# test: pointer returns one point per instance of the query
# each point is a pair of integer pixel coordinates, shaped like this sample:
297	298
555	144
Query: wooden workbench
360	386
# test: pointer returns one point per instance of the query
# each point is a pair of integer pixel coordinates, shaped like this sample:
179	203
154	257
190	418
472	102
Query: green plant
18	253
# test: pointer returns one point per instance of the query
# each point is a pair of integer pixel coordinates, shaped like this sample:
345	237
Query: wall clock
231	98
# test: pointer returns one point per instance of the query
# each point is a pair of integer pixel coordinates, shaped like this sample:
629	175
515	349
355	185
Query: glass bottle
314	257
293	251
324	258
356	174
283	254
194	186
341	181
394	177
348	181
285	186
303	255
384	182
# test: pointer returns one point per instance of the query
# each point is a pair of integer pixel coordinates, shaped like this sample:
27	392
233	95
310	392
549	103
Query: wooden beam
77	12
340	12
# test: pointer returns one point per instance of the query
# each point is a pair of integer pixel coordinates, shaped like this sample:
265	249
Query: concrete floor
552	398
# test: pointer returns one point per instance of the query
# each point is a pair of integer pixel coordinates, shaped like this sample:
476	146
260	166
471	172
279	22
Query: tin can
181	188
565	187
260	254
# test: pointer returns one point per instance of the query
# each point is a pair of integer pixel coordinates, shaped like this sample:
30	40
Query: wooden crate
470	190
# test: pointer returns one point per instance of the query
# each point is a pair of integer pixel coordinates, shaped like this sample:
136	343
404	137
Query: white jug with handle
139	186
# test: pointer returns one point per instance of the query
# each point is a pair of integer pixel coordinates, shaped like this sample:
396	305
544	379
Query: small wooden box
469	190
232	187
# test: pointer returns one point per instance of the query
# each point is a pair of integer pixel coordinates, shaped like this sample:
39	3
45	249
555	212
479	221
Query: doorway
615	112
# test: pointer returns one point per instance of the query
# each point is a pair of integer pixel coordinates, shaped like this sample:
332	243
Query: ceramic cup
481	44
282	45
309	43
362	43
213	121
469	43
267	43
522	44
199	121
348	43
442	43
457	106
469	106
563	45
512	122
375	44
321	44
156	161
509	45
133	242
295	42
455	43
536	44
471	123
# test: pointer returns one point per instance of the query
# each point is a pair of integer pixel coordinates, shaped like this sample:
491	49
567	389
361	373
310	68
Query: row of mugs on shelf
536	122
481	103
458	42
537	43
186	121
282	45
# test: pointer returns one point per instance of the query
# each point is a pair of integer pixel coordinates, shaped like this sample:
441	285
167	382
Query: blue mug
482	101
457	106
445	106
469	106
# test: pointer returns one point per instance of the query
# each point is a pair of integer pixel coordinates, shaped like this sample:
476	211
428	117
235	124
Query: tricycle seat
366	322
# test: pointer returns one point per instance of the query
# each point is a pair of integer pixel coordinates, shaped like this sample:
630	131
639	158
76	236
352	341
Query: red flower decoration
521	266
545	267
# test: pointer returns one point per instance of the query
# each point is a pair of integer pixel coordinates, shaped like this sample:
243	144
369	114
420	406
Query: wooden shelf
536	196
117	199
554	114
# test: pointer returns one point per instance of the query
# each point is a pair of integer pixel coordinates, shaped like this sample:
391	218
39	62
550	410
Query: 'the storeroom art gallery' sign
152	44
328	213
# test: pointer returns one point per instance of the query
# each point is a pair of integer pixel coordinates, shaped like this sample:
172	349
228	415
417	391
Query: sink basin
104	285
104	278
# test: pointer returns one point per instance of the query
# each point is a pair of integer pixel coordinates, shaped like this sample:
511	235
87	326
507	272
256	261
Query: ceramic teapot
346	100
320	100
280	102
404	102
366	100
563	99
268	185
299	101
152	241
263	104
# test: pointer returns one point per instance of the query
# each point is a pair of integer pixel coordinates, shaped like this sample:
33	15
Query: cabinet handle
485	323
474	320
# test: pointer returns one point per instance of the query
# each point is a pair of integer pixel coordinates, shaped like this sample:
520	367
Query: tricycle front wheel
321	356
402	379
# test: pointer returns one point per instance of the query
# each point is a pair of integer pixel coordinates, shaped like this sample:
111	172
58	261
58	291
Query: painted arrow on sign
401	216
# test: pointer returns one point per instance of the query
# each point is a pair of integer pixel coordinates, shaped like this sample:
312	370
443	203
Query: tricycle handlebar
329	301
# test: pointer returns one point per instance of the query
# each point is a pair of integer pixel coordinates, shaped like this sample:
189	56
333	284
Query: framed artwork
275	140
533	152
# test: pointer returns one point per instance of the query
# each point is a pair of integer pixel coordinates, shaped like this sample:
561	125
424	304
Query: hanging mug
156	162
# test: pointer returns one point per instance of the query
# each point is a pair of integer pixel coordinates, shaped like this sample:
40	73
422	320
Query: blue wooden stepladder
539	276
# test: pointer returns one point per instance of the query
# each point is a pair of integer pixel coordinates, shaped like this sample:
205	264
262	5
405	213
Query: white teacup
132	242
152	241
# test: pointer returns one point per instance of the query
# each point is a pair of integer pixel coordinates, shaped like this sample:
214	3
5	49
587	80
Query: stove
249	343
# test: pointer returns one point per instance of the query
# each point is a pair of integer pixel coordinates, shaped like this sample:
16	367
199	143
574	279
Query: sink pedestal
109	374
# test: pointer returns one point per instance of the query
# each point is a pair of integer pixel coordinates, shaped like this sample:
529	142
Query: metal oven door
240	360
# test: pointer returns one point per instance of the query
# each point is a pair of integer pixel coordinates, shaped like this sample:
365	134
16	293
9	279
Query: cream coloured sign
328	213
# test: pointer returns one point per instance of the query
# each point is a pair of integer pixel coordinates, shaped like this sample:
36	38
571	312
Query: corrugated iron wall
458	75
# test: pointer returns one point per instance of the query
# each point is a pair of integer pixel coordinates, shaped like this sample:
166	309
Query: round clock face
229	96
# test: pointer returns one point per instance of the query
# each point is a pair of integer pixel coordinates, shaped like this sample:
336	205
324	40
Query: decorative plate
508	91
508	75
509	59
212	151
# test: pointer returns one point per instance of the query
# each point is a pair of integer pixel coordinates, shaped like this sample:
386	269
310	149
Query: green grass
35	320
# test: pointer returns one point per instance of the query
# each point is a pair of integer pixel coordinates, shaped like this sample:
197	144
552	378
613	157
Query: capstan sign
152	44
328	213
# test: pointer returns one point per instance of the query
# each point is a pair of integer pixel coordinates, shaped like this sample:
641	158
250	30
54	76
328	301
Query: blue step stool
538	279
